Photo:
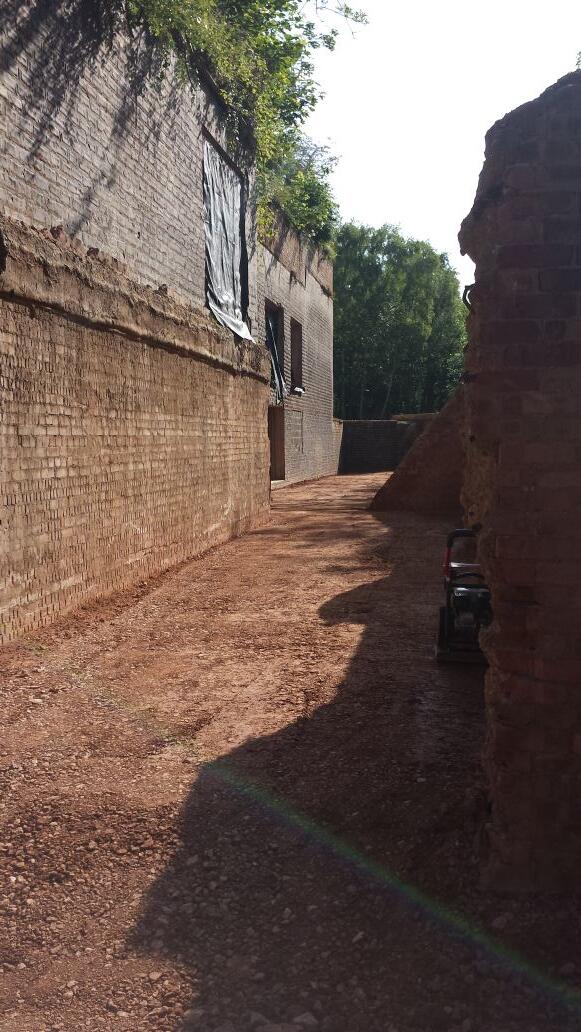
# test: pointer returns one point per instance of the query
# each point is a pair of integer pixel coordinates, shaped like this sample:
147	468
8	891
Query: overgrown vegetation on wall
260	54
299	185
399	324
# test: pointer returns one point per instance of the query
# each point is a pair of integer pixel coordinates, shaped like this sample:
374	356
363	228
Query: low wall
133	429
375	445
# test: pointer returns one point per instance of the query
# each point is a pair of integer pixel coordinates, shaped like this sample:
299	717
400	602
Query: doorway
276	439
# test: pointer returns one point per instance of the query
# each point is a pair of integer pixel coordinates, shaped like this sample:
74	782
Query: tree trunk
361	399
387	395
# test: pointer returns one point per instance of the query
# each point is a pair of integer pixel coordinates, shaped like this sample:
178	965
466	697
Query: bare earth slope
245	797
429	478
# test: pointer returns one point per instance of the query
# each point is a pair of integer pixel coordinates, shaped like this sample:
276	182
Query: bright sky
410	97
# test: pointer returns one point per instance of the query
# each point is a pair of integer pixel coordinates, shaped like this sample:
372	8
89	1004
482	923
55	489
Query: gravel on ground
244	797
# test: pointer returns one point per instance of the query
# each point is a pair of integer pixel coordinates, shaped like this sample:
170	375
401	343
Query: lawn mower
467	607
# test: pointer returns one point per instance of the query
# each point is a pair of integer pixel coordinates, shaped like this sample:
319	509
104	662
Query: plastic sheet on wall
223	230
280	387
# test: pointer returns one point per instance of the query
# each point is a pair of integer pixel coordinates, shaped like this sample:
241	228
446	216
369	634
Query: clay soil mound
429	479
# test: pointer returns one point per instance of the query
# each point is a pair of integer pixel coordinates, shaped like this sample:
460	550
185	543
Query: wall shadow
373	446
64	41
319	868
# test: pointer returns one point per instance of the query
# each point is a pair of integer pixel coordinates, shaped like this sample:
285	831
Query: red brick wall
133	431
523	481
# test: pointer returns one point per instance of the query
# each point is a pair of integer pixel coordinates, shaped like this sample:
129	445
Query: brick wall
523	480
132	430
374	445
295	277
93	139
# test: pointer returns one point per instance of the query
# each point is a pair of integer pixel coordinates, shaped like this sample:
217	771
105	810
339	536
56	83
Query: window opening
296	356
225	236
274	317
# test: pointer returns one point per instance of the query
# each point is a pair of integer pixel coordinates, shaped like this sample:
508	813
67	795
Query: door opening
276	438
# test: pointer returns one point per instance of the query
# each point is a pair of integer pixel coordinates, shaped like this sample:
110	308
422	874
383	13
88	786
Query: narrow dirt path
244	797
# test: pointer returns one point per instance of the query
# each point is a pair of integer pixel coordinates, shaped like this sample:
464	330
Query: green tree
399	324
298	183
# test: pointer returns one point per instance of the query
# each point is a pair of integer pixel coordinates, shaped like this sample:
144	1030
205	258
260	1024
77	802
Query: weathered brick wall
93	139
429	479
133	430
291	275
523	482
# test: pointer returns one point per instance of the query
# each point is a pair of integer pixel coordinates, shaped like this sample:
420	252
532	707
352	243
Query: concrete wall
295	277
132	430
94	140
523	482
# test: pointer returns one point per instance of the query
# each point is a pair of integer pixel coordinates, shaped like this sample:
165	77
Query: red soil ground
245	797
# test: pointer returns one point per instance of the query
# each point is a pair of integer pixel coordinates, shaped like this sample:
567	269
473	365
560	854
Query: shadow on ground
320	867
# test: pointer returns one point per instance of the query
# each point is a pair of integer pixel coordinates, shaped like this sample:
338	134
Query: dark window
226	255
274	317
296	354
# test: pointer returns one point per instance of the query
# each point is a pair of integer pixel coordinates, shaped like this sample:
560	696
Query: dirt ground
244	796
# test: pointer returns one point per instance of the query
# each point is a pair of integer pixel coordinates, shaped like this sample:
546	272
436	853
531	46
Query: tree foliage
399	324
260	54
299	185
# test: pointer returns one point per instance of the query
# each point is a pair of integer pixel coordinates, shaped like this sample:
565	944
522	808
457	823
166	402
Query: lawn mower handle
461	532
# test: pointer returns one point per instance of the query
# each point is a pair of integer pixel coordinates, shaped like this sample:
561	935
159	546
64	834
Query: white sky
410	96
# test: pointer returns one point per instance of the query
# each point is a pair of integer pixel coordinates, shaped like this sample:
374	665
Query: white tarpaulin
223	228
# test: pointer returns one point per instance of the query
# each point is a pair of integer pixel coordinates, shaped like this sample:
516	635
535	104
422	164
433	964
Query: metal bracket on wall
466	296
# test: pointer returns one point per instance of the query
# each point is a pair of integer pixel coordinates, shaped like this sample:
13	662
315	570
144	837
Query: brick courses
522	480
133	430
375	445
